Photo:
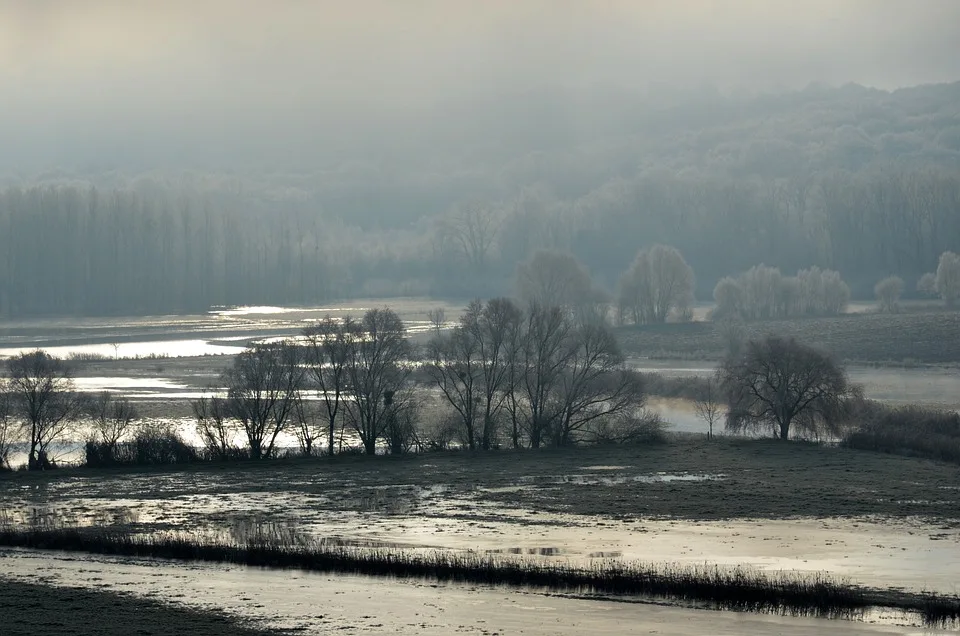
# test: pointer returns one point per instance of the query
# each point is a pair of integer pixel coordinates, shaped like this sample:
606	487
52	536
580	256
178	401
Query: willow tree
780	385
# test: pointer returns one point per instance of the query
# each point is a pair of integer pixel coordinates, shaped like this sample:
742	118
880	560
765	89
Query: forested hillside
448	200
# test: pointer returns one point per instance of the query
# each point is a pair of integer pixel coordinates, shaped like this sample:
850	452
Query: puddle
605	480
603	468
544	552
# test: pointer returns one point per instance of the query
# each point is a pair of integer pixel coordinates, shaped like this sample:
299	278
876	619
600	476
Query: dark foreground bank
29	609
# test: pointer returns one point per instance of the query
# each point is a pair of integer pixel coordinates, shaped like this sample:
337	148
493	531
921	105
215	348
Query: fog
157	83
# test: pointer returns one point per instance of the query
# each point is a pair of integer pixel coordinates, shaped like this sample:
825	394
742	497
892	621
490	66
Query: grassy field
755	479
929	337
30	609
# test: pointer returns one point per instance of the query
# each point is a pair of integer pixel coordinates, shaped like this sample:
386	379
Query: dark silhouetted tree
376	373
216	426
779	385
330	347
44	400
263	384
111	419
709	405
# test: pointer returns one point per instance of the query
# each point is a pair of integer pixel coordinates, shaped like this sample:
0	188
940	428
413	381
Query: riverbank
35	609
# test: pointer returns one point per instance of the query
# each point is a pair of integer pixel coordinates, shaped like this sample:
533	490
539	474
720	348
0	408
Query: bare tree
262	389
594	383
658	282
456	368
375	372
400	432
494	327
471	366
888	293
215	426
330	345
44	400
554	279
948	278
8	428
546	332
709	405
307	420
437	318
111	419
778	383
471	228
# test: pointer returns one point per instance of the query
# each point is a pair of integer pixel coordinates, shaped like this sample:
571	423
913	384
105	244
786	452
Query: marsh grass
908	430
280	546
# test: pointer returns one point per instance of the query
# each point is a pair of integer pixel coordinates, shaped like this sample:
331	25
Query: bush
153	445
645	427
908	430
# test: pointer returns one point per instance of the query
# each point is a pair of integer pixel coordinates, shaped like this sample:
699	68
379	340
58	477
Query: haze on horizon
133	76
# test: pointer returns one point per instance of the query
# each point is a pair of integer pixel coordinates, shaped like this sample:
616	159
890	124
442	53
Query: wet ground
877	520
881	521
321	604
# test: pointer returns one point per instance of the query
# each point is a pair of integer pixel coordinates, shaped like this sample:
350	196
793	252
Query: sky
244	64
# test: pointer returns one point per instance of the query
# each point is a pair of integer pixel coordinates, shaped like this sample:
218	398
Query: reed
738	588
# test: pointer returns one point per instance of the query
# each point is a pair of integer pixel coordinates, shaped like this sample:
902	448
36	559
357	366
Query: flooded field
877	521
312	604
218	332
892	522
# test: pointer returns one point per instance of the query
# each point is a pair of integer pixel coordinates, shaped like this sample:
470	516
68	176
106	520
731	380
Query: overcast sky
133	61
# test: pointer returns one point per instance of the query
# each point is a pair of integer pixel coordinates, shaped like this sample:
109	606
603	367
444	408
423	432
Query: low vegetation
908	430
736	588
908	337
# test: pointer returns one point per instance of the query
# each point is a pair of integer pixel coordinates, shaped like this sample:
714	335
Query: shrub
644	427
153	445
888	293
908	430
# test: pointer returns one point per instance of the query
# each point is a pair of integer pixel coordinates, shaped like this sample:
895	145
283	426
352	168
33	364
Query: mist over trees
855	180
658	283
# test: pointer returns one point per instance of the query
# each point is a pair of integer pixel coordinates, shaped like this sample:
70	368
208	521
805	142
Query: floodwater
915	555
310	603
218	332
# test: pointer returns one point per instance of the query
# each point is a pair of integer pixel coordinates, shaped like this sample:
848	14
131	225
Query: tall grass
736	588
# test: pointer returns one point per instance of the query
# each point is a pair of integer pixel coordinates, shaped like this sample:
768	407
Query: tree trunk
370	446
785	430
331	432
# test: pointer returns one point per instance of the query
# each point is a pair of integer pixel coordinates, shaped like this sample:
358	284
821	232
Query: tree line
507	375
159	248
